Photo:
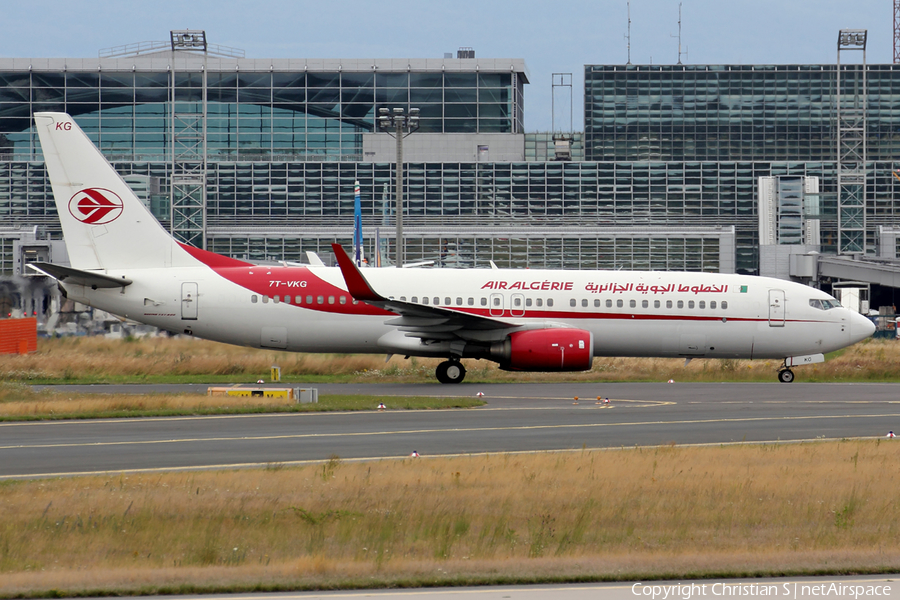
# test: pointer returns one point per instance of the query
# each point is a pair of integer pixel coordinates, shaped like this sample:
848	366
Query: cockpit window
824	304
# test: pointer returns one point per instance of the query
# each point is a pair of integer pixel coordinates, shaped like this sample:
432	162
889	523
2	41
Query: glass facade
447	195
663	146
592	250
253	115
720	127
732	112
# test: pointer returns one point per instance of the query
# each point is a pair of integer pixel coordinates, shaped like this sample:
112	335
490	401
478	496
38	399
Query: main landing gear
450	371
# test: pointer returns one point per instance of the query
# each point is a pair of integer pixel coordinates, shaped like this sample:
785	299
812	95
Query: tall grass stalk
622	513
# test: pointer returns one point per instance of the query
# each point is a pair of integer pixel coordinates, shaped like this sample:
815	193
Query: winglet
357	285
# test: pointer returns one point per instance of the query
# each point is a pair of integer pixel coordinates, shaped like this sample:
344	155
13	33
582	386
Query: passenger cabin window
668	304
517	301
330	299
343	299
471	301
656	304
645	304
527	301
712	304
620	303
724	304
584	303
632	303
459	301
497	301
320	299
539	301
681	304
253	299
609	304
265	299
549	301
572	302
438	300
701	304
424	299
690	304
484	301
276	299
309	299
596	303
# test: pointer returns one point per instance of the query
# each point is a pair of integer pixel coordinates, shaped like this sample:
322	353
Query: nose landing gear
785	375
450	371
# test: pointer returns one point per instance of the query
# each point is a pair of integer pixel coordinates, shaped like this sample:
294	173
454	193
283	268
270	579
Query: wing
416	320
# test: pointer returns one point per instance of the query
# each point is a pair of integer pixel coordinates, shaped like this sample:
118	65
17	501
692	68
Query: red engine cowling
546	350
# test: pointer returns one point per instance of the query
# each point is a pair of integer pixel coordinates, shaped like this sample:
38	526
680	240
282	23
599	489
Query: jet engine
545	350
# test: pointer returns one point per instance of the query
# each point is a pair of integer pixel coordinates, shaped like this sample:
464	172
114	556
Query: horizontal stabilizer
77	277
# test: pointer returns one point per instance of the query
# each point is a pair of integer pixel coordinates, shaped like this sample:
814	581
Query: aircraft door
517	305
188	301
776	308
496	305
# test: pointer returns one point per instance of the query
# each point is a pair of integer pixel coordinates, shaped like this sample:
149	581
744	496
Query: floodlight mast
187	191
399	124
850	104
188	39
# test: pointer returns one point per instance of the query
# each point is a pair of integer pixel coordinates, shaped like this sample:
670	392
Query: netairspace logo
787	589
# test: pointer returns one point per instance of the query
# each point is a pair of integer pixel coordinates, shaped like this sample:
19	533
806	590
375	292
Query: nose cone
861	327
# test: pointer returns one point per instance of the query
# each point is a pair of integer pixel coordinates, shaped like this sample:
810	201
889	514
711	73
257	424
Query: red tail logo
95	206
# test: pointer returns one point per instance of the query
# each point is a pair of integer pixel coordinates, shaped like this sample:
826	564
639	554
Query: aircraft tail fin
104	223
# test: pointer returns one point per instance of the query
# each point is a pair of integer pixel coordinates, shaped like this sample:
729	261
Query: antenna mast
679	35
628	35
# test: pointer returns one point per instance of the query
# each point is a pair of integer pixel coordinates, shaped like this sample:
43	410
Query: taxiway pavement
518	417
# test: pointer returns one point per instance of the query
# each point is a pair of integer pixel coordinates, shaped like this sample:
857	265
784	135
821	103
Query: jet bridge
880	271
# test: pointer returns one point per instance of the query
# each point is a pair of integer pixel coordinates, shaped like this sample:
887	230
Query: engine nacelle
545	350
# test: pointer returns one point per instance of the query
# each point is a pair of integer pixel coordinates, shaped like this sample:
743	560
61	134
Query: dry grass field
168	359
621	514
19	402
617	514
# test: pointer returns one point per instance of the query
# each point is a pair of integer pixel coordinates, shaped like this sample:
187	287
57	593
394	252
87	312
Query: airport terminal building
679	167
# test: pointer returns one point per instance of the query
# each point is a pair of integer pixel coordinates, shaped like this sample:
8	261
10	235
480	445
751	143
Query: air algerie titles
528	285
614	288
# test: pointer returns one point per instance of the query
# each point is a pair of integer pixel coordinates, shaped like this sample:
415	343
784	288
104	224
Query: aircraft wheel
450	371
785	376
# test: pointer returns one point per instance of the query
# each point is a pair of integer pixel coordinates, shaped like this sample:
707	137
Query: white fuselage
659	314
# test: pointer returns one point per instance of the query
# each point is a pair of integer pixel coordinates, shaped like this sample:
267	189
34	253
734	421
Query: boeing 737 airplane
124	262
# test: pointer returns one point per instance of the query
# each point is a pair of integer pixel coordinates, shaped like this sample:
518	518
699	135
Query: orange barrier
18	336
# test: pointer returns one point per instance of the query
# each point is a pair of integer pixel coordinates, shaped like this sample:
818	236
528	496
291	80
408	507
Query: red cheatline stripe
213	260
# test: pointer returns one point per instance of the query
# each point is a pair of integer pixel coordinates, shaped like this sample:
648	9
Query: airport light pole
399	124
